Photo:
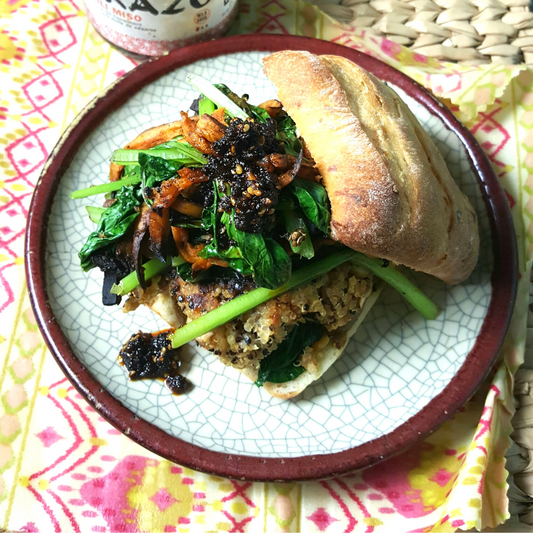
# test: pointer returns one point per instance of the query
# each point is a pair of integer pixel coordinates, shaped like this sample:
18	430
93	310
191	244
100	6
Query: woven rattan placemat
466	31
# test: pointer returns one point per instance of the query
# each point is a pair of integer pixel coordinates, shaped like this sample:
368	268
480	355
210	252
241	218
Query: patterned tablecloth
63	468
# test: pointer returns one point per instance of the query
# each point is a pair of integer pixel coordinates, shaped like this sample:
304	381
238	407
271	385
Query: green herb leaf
269	262
286	133
276	269
113	224
180	152
313	200
279	366
154	170
258	113
295	223
252	254
95	213
205	106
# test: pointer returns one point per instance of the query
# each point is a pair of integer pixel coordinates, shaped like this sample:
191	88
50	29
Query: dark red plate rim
456	393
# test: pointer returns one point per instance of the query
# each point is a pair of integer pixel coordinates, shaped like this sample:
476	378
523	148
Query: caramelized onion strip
190	252
186	207
171	189
148	139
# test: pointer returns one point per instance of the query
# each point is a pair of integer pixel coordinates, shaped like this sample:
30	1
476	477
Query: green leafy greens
303	210
205	106
314	202
269	262
113	224
154	170
286	133
280	365
180	153
296	227
232	255
174	151
251	254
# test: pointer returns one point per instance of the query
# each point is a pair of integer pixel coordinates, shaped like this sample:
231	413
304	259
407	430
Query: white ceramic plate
394	367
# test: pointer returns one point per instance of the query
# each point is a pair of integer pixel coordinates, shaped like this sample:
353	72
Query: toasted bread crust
391	193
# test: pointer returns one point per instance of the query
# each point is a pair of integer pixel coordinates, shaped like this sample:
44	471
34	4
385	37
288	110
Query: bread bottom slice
321	358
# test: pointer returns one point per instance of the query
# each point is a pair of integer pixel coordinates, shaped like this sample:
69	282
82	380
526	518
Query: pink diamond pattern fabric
63	468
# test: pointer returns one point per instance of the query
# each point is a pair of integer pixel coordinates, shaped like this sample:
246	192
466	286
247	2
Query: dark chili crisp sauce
151	356
249	187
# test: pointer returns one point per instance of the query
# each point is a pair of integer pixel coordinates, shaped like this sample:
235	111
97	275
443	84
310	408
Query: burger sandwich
266	232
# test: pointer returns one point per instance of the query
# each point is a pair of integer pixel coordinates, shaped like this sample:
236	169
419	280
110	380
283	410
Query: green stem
245	302
129	157
399	282
152	268
104	187
216	96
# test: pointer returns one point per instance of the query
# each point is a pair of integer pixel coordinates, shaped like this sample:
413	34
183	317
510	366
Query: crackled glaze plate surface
397	367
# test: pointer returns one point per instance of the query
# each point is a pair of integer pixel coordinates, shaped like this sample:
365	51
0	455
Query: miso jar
153	27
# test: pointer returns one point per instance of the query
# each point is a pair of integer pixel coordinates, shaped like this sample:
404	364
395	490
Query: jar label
152	27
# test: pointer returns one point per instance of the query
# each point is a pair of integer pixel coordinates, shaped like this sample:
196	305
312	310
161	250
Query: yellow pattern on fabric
24	439
18	312
143	497
71	89
7	46
9	6
282	506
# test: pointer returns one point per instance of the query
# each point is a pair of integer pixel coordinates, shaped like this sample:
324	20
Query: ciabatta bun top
391	193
